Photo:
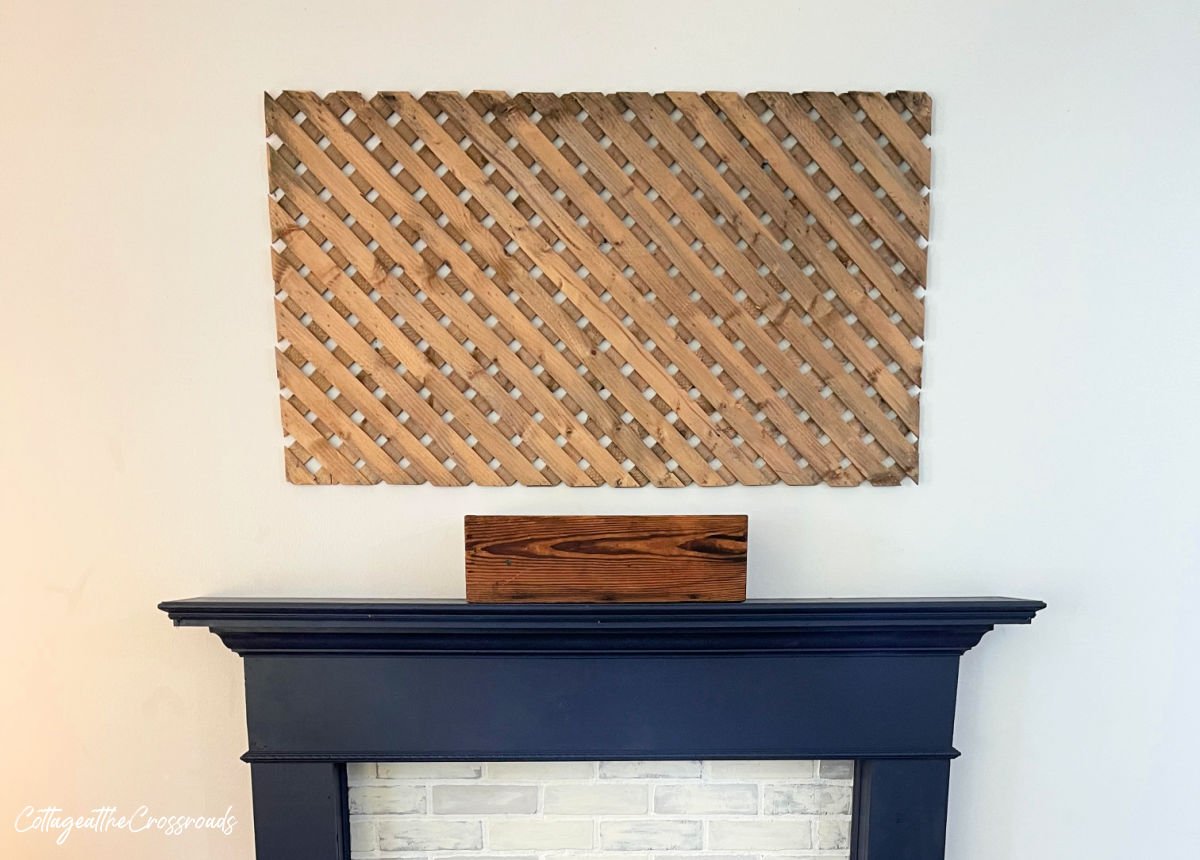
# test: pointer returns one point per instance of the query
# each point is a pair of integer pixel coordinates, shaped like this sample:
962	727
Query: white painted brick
645	810
814	799
540	771
538	834
699	799
758	835
649	769
644	834
484	799
387	799
834	769
429	770
595	799
833	833
358	772
363	836
755	769
407	834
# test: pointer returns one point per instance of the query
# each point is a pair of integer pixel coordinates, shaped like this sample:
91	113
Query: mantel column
300	811
900	809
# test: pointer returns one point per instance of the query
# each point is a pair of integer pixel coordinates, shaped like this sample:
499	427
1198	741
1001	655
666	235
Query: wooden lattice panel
599	289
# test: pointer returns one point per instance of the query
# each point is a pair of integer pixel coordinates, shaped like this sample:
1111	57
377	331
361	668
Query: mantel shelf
954	624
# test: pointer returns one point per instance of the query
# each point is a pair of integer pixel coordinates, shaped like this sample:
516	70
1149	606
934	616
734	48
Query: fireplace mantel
336	681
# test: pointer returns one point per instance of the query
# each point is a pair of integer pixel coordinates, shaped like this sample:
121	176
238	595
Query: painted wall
139	440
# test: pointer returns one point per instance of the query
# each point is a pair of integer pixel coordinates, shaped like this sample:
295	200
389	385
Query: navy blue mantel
336	681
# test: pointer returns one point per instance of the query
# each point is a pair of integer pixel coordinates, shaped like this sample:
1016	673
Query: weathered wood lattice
593	289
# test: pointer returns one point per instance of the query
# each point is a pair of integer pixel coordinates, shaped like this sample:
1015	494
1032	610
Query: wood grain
588	289
606	559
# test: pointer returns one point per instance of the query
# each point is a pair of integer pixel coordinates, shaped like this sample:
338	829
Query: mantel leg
300	811
900	809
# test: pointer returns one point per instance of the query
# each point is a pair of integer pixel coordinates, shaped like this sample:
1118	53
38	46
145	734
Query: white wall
139	439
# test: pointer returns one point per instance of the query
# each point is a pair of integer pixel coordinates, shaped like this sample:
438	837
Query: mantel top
248	624
1000	609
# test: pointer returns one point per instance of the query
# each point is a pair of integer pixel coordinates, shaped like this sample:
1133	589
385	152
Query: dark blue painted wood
598	707
334	681
900	809
300	811
881	625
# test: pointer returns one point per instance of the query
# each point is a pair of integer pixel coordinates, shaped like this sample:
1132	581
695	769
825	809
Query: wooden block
607	559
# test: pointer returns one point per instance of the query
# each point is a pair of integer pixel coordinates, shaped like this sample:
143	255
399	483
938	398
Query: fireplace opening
601	810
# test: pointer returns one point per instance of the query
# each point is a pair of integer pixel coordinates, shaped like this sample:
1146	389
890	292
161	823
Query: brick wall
611	810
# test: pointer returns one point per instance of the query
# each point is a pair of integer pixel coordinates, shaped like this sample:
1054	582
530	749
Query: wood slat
560	324
612	279
762	339
497	303
599	289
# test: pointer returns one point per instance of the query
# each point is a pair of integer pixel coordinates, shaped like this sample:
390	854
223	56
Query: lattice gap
626	289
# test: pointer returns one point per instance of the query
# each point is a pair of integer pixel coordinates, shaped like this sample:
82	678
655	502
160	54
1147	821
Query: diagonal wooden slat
735	315
598	313
560	324
370	359
767	336
304	392
495	299
898	132
882	168
295	464
424	462
811	247
332	458
509	416
821	208
599	289
672	294
747	225
444	295
547	310
491	439
862	198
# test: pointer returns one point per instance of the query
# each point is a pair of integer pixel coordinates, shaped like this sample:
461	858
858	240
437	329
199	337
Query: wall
608	810
140	441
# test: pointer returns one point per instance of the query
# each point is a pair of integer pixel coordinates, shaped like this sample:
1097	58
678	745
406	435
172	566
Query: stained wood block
606	559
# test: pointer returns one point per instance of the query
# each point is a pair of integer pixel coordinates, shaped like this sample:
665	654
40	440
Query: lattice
591	289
